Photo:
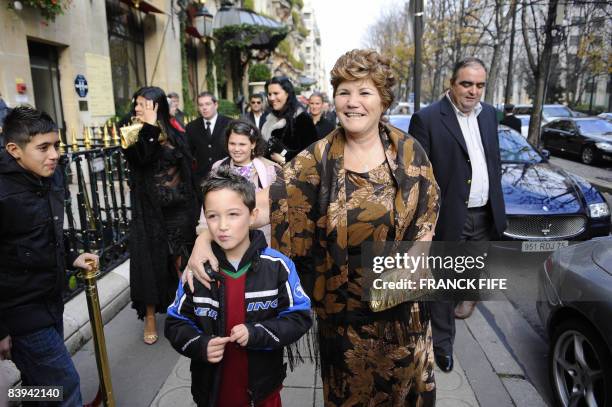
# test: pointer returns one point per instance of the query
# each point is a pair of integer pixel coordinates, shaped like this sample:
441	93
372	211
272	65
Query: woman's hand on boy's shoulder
201	253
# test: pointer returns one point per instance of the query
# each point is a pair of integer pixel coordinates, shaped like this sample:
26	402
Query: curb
508	374
607	188
114	295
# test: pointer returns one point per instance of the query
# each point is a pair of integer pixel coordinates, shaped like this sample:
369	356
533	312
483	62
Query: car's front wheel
580	366
587	156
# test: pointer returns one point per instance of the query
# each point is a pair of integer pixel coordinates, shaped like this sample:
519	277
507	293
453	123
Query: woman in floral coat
364	182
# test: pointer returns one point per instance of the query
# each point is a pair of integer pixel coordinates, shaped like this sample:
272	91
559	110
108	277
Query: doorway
45	80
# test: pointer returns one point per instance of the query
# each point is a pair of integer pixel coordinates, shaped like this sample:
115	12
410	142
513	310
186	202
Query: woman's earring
252	153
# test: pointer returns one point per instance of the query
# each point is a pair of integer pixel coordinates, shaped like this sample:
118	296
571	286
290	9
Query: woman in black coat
288	128
164	206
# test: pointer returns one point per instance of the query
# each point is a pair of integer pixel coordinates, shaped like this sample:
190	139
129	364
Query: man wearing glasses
256	114
459	135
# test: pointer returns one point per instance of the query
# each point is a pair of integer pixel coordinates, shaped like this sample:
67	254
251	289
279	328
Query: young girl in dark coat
164	207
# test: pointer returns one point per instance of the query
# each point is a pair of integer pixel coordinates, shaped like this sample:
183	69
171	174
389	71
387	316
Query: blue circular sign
80	85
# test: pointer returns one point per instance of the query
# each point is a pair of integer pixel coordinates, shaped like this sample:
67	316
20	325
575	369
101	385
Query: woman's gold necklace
364	166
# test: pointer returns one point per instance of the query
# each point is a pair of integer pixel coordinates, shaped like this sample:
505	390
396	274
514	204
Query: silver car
575	306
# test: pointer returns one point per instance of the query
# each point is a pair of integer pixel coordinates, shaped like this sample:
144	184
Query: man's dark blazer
437	129
251	118
206	151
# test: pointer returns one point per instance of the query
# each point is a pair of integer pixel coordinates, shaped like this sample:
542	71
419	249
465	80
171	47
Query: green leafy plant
259	73
240	43
228	108
188	106
49	9
249	5
298	3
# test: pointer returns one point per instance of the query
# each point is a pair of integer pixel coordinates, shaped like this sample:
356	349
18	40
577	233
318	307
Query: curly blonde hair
360	64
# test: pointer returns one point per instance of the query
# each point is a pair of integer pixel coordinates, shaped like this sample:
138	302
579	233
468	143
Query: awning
142	5
270	36
307	81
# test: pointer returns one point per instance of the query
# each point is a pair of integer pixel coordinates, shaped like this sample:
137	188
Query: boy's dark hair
246	128
224	178
25	122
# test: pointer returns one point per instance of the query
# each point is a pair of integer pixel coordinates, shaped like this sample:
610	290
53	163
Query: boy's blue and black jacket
277	314
32	256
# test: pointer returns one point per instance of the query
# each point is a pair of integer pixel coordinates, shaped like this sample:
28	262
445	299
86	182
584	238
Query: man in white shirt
459	135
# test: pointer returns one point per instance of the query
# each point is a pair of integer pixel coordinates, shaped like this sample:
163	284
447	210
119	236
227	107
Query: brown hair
361	64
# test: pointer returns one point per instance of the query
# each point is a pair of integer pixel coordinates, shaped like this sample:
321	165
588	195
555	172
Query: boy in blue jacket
235	331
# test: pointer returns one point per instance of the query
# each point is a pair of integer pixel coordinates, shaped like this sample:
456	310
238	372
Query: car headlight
599	210
604	146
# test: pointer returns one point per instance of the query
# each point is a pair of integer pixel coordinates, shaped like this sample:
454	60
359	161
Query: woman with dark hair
164	206
288	129
246	147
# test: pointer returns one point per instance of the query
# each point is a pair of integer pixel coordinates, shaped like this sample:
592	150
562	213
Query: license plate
543	246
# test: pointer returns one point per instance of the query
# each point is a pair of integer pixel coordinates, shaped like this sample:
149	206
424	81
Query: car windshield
513	148
401	122
557	111
594	126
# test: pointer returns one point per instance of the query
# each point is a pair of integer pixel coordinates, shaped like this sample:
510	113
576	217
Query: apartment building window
126	49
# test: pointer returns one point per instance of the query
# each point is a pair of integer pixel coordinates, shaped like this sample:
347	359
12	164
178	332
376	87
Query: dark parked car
401	121
543	201
549	112
590	138
575	306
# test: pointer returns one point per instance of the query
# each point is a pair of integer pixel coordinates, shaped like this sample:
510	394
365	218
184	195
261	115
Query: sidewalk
302	388
600	177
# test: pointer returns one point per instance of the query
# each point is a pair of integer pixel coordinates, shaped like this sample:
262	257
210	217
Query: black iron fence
97	207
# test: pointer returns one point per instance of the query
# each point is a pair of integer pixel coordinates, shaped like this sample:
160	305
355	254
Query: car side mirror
545	153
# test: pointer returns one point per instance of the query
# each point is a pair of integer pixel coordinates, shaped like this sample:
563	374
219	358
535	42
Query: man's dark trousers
478	227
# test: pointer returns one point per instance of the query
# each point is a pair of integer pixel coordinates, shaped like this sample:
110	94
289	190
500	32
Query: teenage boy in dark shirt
32	251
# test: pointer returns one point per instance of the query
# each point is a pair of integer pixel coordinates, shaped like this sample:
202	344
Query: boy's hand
215	348
5	348
240	334
80	261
